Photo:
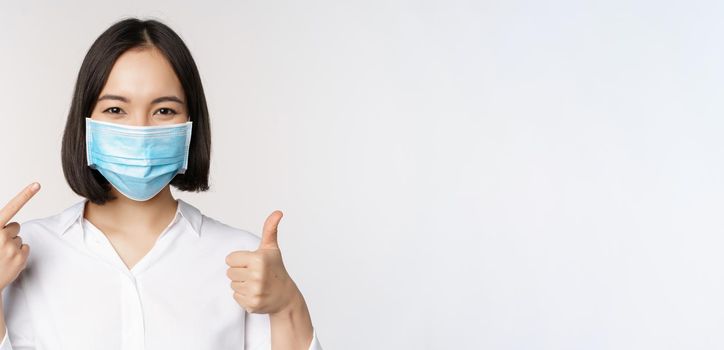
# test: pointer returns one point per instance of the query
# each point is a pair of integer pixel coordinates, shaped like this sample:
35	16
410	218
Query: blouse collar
73	213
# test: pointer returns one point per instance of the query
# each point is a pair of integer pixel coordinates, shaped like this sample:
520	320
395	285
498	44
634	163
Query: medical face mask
139	161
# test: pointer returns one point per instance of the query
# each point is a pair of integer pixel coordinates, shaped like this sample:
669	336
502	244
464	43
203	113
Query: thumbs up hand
13	252
259	279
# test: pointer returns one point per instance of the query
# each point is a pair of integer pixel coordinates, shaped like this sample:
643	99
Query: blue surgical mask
139	161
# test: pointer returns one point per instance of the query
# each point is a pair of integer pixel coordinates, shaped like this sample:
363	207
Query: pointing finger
12	207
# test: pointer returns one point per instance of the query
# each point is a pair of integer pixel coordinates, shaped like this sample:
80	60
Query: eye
168	111
110	108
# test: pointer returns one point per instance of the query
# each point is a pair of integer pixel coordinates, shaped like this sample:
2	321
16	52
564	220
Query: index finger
12	208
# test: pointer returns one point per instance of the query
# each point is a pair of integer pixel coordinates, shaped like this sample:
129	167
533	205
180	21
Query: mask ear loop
189	132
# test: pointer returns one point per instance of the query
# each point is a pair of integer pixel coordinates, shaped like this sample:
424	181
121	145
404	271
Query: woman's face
142	90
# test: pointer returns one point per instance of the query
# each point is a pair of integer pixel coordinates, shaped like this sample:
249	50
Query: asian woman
129	266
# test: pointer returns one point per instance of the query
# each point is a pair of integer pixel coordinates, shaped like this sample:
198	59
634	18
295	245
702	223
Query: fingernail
35	186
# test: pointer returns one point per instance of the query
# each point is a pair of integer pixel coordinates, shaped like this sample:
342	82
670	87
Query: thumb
269	234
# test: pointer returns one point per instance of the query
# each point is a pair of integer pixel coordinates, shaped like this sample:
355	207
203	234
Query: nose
140	119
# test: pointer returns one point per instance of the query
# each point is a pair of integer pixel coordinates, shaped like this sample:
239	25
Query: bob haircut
123	35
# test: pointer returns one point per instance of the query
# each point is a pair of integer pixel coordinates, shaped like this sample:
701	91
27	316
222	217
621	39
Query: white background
454	175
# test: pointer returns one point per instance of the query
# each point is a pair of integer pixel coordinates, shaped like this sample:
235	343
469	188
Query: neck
126	216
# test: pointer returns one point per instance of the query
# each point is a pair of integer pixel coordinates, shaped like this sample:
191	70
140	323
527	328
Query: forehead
142	74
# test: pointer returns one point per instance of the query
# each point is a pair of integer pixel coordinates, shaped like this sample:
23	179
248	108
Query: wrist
291	327
295	304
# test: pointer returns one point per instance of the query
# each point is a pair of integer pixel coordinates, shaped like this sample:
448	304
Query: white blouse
77	294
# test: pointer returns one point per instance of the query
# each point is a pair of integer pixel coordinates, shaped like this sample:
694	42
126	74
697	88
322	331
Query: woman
129	266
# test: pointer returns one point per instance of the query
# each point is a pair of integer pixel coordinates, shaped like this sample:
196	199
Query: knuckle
257	276
230	259
258	260
10	250
257	290
11	229
236	285
19	259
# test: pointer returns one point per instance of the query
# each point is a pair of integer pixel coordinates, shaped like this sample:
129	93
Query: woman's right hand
13	253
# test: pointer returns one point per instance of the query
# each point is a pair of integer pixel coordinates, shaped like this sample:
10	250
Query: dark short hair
123	35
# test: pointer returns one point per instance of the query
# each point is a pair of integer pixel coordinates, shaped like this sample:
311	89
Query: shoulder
56	223
215	230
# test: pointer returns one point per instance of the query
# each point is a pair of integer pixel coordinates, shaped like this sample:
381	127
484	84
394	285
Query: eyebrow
157	100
